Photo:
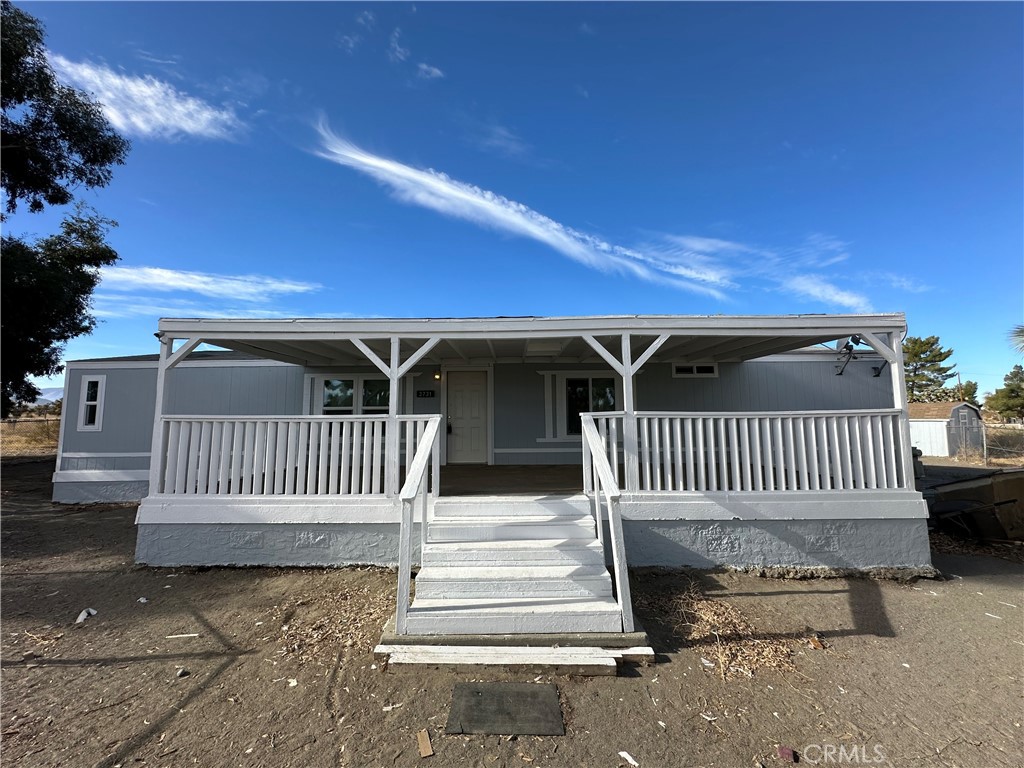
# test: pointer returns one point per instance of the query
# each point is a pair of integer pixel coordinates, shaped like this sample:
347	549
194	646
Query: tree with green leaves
1008	400
923	360
969	393
45	293
55	139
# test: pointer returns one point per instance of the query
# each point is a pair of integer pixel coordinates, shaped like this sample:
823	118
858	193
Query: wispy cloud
586	29
247	288
818	288
427	72
349	43
146	107
903	283
153	58
396	52
499	139
811	271
439	192
110	306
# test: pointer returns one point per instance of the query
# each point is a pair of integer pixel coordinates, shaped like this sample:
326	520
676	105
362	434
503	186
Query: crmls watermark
843	754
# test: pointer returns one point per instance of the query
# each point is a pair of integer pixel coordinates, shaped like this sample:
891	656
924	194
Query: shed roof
936	410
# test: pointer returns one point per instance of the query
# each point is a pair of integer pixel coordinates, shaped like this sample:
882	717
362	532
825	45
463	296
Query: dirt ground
279	668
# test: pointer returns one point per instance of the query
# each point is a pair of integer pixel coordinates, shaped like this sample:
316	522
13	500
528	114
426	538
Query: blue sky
431	159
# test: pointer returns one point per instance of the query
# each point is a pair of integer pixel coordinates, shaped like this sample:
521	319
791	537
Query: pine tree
923	363
1008	400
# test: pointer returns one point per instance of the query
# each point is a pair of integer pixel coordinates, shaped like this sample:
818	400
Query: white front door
467	417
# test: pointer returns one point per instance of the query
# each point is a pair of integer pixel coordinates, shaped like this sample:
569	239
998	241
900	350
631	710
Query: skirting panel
99	491
280	544
858	544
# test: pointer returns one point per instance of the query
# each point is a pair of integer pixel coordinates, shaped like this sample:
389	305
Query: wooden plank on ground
576	661
641	654
423	741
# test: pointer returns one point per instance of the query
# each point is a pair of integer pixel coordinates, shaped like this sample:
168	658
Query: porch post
899	399
630	447
891	348
168	359
393	439
156	451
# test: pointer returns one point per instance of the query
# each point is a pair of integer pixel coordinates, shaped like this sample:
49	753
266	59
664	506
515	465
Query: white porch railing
281	455
598	476
414	494
764	451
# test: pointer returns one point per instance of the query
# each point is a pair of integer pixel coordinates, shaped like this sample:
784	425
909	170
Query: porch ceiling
542	340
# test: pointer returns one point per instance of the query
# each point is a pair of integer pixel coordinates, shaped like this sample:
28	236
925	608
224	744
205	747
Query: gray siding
783	385
235	391
129	402
762	385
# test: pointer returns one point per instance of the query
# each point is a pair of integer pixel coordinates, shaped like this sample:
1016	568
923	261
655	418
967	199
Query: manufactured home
508	456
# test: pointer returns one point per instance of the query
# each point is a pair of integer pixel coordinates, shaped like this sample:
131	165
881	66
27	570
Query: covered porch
677	486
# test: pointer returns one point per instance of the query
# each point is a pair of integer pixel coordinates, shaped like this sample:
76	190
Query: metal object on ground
505	709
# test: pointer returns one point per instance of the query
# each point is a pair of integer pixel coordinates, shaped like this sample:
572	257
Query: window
349	395
90	408
586	395
567	394
695	370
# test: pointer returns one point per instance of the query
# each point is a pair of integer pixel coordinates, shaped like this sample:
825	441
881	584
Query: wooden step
512	506
580	552
556	661
638	654
458	581
507	528
512	615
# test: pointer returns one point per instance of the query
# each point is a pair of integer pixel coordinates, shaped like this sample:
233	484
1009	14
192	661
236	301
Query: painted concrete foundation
864	543
99	492
292	544
856	544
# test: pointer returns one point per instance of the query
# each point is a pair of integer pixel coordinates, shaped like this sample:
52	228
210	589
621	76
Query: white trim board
100	475
175	509
91	455
102	365
752	506
537	327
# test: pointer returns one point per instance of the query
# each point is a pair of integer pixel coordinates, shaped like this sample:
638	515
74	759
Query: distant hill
49	395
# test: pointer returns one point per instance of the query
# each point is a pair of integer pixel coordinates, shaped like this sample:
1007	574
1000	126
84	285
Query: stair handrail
414	491
598	471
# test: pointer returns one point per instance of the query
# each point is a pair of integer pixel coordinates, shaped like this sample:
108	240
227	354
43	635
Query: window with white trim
567	394
349	394
695	370
90	405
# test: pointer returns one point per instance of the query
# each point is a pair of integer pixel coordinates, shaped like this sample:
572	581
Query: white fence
809	450
280	455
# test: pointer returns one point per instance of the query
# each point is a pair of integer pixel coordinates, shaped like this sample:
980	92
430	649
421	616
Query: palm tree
1017	337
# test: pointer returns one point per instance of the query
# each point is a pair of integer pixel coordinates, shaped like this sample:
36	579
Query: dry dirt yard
278	665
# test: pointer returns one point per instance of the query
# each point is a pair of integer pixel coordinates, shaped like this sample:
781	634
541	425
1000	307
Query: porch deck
511	479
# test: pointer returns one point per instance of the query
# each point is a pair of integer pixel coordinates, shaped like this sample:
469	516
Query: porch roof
690	338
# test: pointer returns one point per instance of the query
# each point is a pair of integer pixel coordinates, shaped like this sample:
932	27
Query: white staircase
496	565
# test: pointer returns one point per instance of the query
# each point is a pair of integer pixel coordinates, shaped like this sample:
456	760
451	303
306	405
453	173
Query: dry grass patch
727	642
29	437
342	613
